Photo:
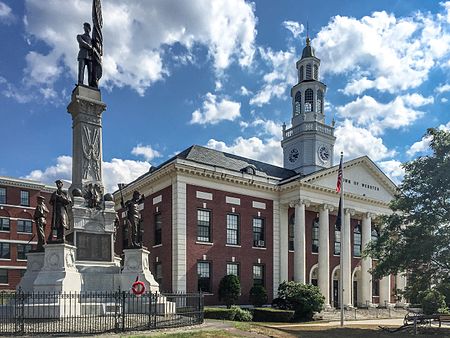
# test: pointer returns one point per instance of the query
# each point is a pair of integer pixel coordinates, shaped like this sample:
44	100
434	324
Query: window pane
203	273
158	229
309	96
258	232
22	250
316	72
24	198
308	72
301	73
337	242
291	232
233	269
3	195
258	275
4	251
3	276
4	224
24	226
232	229
298	103
315	236
158	273
203	225
357	241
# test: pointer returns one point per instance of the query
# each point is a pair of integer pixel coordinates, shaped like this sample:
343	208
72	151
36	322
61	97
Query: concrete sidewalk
382	322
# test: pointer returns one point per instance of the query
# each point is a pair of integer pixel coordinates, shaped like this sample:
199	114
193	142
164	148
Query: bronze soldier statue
85	54
60	217
133	219
40	215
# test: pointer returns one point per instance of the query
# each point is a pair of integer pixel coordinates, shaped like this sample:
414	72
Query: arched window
337	240
316	72
320	101
315	236
291	232
357	241
308	72
298	103
374	235
309	96
301	73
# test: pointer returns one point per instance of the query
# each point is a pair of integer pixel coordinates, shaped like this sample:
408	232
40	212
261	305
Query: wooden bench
444	318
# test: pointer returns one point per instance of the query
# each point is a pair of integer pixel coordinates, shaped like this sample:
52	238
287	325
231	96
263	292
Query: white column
284	242
179	258
400	280
346	251
324	253
385	291
299	243
366	263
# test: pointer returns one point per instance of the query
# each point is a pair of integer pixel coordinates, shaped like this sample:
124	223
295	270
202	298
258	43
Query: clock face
293	155
324	153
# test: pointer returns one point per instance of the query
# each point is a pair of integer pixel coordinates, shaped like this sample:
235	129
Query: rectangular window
203	225
24	198
204	276
4	224
357	242
291	235
337	242
233	269
22	250
232	229
258	233
2	195
315	236
258	275
3	276
158	229
25	225
376	288
158	273
4	251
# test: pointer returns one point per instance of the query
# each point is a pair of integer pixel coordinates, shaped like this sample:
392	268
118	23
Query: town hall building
208	213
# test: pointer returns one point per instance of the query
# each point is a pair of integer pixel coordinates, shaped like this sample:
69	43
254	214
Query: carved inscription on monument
93	247
91	152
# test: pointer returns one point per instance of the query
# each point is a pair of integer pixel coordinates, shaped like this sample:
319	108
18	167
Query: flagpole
341	258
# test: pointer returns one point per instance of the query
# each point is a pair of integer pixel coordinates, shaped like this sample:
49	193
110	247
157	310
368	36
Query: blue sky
218	73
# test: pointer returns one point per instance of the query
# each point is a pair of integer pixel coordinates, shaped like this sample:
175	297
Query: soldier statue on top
91	49
60	202
133	218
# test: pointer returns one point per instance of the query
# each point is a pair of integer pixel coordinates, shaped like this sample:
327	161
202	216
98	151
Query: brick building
18	199
208	213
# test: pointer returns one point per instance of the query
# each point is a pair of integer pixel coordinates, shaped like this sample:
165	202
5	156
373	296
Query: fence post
124	312
149	309
22	311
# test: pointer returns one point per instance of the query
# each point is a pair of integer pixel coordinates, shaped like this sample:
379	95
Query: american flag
339	179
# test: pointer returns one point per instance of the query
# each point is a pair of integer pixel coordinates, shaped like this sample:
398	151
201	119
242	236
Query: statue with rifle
133	219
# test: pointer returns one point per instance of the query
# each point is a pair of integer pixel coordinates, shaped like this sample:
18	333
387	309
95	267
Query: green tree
304	299
416	235
229	290
258	296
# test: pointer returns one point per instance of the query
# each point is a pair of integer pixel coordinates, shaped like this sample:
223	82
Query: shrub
233	313
229	290
432	302
304	299
258	296
219	313
272	315
241	315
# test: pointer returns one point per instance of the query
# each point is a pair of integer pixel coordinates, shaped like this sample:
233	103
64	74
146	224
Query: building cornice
24	183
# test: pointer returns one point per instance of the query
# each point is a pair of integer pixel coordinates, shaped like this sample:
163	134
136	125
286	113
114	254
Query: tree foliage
229	290
304	299
416	235
258	296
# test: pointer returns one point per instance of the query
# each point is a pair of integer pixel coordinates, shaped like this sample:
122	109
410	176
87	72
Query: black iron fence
95	312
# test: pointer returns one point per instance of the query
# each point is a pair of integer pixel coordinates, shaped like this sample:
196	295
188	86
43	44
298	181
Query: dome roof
308	51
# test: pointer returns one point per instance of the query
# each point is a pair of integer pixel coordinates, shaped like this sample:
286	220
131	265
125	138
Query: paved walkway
381	322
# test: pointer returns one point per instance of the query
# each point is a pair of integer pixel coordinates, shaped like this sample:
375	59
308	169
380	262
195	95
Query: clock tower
308	144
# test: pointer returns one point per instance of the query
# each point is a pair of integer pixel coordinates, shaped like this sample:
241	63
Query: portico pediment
361	177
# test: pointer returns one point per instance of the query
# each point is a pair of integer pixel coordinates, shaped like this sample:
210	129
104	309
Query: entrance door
355	293
336	294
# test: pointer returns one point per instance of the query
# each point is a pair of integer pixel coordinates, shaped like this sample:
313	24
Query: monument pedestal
59	273
136	266
35	262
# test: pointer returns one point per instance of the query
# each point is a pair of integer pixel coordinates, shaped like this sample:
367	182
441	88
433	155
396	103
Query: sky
218	74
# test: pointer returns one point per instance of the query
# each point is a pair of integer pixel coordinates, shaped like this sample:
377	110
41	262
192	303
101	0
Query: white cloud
382	51
6	14
366	111
269	127
146	151
135	33
393	170
443	88
294	27
279	79
444	100
245	91
268	151
114	172
214	111
355	141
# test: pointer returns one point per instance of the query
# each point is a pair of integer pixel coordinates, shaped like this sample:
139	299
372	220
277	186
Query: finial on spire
307	33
